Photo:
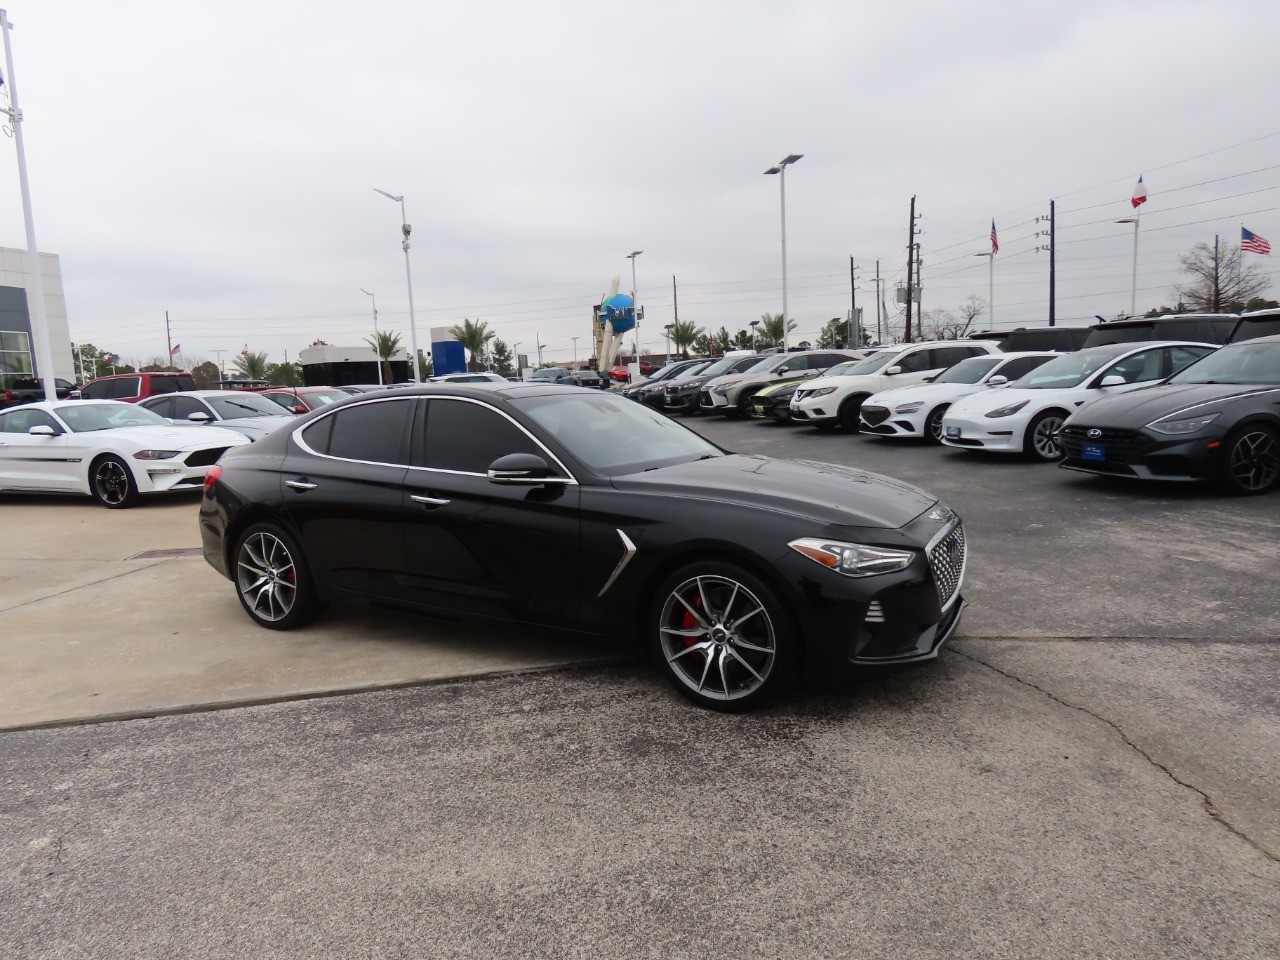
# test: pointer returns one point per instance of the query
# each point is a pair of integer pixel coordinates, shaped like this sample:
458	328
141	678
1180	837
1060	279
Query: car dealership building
17	339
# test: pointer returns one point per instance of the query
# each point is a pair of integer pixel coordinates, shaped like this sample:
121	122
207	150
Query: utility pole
222	373
853	307
1217	295
675	302
879	305
168	339
911	254
1053	277
919	290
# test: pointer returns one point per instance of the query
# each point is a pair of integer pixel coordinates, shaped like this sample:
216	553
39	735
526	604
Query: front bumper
771	408
711	402
686	401
883	422
1139	454
1001	434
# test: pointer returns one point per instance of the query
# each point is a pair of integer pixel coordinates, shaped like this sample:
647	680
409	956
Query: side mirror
42	430
999	380
781	370
1113	380
893	371
522	469
298	408
199	417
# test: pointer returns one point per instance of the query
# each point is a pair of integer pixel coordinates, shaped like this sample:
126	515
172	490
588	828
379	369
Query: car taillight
212	476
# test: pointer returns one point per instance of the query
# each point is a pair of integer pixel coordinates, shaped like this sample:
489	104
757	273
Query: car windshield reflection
613	437
89	417
1242	363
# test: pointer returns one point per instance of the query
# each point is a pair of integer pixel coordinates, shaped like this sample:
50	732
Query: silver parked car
248	414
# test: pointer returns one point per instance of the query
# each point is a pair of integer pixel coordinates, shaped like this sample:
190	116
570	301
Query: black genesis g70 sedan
577	510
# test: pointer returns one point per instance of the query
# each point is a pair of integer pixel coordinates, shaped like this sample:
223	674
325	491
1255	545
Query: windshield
316	399
613	437
726	365
869	365
1069	370
968	371
696	370
89	417
1243	362
244	405
547	373
839	370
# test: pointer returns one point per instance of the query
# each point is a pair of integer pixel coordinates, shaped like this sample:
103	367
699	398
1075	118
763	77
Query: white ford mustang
112	451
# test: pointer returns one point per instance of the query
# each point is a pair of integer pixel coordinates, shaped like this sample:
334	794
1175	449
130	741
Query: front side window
1139	367
1068	370
466	437
21	421
1243	362
1182	357
125	387
918	362
1015	368
182	407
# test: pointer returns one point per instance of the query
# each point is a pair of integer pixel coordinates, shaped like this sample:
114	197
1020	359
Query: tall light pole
376	338
413	327
44	346
781	170
575	352
991	296
667	331
1133	296
754	324
635	308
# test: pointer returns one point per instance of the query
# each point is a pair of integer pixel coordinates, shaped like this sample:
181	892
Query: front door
39	463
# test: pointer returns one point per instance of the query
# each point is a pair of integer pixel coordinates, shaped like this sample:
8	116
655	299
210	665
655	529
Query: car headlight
909	407
156	454
819	392
853	559
725	387
1008	411
1184	425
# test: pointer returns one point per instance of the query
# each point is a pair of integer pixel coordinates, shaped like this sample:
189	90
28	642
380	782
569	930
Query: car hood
1139	407
256	426
924	391
988	400
171	438
824	492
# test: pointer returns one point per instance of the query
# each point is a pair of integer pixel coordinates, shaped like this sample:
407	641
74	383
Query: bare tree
971	310
940	325
1220	280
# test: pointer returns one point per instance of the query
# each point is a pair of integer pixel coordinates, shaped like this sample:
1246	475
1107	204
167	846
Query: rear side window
182	407
918	361
100	390
124	388
467	437
163	406
1020	365
373	432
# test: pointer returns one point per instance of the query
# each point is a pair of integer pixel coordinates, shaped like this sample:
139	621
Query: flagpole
991	287
1133	294
44	347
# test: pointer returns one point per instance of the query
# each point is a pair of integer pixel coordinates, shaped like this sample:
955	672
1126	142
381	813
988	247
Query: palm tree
251	366
770	332
474	337
386	345
683	334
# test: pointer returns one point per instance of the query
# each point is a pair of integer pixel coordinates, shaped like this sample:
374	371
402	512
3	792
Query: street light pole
413	328
1133	295
635	309
753	325
575	352
781	170
376	338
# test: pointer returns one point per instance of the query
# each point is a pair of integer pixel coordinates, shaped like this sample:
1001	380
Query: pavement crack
80	586
1205	800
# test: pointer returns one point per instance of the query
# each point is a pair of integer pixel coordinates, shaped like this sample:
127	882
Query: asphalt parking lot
1089	770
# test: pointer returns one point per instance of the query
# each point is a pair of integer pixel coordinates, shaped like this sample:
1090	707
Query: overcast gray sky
217	160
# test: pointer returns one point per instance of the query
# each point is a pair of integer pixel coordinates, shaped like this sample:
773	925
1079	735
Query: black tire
272	578
111	483
933	423
745	403
1040	443
1250	462
850	412
736	658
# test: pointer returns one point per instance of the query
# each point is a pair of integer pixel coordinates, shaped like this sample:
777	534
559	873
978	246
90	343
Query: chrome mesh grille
946	560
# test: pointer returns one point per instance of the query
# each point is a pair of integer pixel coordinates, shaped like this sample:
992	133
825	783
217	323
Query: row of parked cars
984	394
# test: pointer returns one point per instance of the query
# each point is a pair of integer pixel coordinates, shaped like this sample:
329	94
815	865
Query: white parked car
246	413
838	400
917	411
732	394
1025	416
110	450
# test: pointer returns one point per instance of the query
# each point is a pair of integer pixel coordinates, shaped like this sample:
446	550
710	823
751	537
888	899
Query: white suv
838	400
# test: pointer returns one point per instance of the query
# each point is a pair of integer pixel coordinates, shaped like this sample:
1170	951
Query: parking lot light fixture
375	331
405	230
781	171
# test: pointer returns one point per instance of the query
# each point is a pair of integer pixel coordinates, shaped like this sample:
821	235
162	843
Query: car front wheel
721	636
933	425
1250	461
111	483
1042	442
272	579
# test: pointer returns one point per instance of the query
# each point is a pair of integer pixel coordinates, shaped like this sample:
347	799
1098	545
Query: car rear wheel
272	579
1250	461
721	636
1041	442
933	424
111	483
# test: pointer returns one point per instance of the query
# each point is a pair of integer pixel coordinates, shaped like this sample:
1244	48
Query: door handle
302	486
428	501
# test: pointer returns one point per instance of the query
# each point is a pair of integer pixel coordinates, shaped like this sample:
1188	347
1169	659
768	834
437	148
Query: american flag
1253	243
176	349
995	244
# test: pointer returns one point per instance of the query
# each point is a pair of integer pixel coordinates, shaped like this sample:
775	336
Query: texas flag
1139	194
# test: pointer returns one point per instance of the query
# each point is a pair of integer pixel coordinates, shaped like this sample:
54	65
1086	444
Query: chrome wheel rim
266	576
1255	461
935	424
111	481
1045	439
717	638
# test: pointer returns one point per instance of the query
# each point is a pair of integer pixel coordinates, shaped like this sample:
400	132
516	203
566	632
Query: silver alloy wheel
111	482
1045	437
266	577
1255	461
933	426
717	637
